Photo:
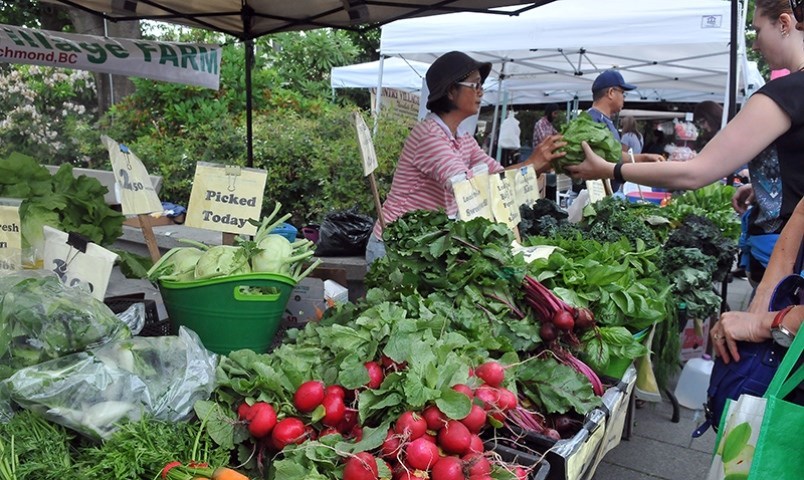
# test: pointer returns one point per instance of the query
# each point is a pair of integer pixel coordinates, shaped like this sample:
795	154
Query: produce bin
617	401
617	366
573	458
539	468
154	327
229	313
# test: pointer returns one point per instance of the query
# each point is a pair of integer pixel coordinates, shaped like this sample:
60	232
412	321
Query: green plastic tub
617	366
229	313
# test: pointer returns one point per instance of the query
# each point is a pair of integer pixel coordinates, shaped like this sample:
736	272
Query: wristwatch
780	334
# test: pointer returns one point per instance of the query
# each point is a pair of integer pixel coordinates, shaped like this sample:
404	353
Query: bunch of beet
556	316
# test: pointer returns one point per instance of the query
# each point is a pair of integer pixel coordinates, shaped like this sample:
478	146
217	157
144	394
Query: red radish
410	425
362	466
421	454
375	375
552	434
477	465
476	445
334	409
448	468
476	419
488	395
262	421
563	320
585	319
328	431
308	396
244	411
311	432
471	372
548	332
521	473
465	389
287	431
336	390
434	417
430	438
356	432
349	420
389	364
491	372
454	437
507	399
497	415
390	446
403	474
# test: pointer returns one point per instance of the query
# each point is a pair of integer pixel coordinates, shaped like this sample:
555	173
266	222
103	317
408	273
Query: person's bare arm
739	142
782	259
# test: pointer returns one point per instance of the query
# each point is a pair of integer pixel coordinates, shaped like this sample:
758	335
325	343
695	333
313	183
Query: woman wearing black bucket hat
434	151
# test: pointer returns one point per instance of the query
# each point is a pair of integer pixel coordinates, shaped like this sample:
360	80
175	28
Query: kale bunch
610	219
545	219
690	272
701	233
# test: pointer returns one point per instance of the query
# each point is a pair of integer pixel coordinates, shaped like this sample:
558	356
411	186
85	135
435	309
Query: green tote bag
779	452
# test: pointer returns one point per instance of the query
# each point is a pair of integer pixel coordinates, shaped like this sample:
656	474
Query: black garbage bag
344	234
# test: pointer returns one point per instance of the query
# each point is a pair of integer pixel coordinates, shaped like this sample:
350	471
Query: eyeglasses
478	86
797	6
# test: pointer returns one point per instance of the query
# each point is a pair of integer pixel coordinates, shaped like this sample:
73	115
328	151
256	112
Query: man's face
617	97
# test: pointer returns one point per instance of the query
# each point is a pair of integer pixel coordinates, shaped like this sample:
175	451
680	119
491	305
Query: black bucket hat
450	68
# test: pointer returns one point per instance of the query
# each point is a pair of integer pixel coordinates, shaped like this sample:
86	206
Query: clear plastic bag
91	392
42	319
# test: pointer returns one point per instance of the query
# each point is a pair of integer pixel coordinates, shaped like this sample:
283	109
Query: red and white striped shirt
430	157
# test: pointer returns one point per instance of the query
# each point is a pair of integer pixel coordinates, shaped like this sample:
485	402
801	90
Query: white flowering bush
48	113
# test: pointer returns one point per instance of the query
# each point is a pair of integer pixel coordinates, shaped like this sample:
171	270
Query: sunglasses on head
797	6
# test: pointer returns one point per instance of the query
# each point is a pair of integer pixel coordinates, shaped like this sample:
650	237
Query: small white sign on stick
137	193
366	145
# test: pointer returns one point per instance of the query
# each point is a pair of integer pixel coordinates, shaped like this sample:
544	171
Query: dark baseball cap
611	78
450	68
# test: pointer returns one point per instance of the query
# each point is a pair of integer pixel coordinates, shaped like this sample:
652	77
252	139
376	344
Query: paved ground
660	449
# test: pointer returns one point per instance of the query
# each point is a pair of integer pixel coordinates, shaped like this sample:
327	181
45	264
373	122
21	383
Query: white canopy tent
397	73
553	53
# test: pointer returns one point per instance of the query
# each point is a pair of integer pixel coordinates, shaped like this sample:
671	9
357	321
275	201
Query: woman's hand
736	327
742	198
546	152
593	168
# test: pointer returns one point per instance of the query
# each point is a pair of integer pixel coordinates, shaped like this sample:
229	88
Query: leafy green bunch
585	129
713	202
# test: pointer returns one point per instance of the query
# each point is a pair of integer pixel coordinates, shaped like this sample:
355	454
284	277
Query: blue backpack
758	361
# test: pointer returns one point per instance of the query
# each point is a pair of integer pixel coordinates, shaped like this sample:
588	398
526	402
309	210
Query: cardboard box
314	294
694	338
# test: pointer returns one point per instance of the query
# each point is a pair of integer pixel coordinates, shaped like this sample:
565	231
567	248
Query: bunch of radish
556	315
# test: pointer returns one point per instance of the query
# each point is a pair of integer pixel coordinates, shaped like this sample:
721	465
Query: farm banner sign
191	64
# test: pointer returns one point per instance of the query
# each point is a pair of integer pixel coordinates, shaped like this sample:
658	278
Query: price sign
366	145
224	198
78	262
472	197
596	189
10	236
526	186
503	203
135	190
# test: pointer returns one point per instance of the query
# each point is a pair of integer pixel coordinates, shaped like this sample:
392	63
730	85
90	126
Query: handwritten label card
526	187
89	269
366	145
472	197
136	192
503	203
596	189
224	198
10	234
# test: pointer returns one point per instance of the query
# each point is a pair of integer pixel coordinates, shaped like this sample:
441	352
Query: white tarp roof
397	73
553	53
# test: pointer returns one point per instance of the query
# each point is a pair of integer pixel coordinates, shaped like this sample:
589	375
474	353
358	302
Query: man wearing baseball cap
608	99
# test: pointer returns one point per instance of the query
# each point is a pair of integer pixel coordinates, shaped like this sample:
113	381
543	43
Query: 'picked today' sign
187	63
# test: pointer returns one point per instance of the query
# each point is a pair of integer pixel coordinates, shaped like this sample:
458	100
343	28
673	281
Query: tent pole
503	115
378	97
249	129
496	109
733	60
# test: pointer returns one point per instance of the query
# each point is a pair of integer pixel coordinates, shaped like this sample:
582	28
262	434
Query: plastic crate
538	466
153	326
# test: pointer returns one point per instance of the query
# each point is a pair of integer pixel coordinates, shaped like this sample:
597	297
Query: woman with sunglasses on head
435	151
773	118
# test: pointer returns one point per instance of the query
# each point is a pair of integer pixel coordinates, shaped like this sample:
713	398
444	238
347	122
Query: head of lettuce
584	129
